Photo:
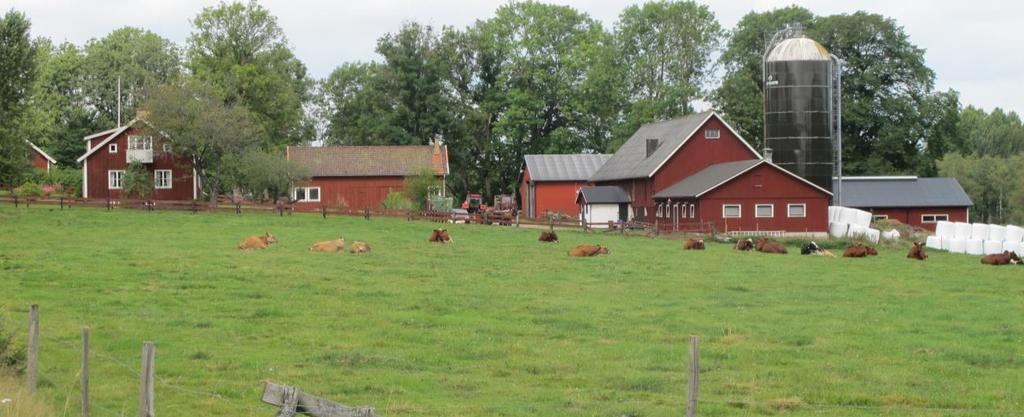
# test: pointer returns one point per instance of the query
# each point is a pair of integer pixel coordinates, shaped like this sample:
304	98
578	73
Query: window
112	148
692	212
878	217
114	178
307	194
140	143
731	211
167	148
712	133
162	179
934	218
797	210
764	210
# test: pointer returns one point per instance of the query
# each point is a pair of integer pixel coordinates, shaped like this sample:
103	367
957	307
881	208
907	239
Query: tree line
531	78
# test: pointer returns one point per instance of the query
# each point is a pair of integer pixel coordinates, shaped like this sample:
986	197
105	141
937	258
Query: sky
975	50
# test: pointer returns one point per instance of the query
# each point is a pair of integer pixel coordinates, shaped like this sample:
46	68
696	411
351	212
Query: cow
548	237
336	245
810	248
745	245
257	242
693	244
917	252
764	245
871	251
440	236
588	250
359	247
858	250
1005	258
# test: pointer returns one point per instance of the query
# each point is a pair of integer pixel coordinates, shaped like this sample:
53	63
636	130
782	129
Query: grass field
499	324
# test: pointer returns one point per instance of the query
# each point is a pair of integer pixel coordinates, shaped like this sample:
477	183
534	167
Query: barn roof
577	167
631	160
871	192
716	175
605	194
369	161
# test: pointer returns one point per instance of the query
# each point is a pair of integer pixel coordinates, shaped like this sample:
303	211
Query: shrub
12	356
137	181
29	189
397	201
417	188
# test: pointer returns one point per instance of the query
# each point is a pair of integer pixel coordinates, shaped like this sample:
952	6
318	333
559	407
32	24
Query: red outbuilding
361	177
40	160
550	182
920	202
108	154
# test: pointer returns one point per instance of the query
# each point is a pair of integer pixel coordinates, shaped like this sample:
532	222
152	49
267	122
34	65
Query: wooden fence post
323	211
691	403
33	348
62	203
146	379
366	213
238	208
15	201
85	372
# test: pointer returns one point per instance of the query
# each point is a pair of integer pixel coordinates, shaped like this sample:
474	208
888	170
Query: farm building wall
354	193
550	196
98	165
598	215
39	162
913	215
766	185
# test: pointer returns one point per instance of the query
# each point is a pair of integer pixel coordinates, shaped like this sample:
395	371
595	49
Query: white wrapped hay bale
891	234
1014	233
863	218
857	231
837	230
872	235
979	231
962	230
996	233
975	247
957	245
933	242
833	213
945	229
847	215
1014	247
947	243
993	247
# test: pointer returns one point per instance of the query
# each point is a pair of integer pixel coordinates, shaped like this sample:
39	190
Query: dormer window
652	145
712	133
112	148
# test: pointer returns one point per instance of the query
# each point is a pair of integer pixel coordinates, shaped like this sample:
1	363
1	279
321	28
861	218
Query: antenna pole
118	101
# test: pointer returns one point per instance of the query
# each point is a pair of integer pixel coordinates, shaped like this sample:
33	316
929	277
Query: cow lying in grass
745	245
765	245
257	242
440	236
693	244
548	237
917	252
813	249
858	250
588	250
359	247
336	245
1005	258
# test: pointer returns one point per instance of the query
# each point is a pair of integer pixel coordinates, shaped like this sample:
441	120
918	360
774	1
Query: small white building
602	205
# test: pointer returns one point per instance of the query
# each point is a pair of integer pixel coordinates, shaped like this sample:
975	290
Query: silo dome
799	49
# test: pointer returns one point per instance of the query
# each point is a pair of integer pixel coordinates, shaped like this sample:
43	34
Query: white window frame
712	133
110	179
789	210
877	217
135	140
739	208
112	148
166	147
935	218
156	179
305	194
769	205
693	212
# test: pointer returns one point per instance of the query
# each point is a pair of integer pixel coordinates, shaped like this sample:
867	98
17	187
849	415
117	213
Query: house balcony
142	156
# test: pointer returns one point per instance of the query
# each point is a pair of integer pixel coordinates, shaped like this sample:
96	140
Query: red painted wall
352	192
551	196
39	162
912	215
102	161
774	187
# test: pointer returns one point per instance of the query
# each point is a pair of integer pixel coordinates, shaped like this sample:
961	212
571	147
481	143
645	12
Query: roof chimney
437	144
141	114
652	145
768	154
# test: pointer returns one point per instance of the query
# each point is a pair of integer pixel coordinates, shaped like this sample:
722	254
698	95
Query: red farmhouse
40	160
360	177
109	152
550	182
919	202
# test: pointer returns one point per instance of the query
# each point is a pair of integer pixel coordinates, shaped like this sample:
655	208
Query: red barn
109	152
919	202
550	182
40	160
361	177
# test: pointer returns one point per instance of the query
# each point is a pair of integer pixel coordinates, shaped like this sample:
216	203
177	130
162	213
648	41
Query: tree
991	183
240	49
197	123
17	74
62	116
418	187
998	133
268	175
357	107
138	181
412	77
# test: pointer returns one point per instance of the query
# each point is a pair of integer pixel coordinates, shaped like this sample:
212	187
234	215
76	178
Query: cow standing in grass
440	236
588	250
764	245
336	245
257	242
1005	258
917	252
693	244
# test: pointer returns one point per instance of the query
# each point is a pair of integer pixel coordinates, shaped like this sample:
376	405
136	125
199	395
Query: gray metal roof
879	192
604	194
578	167
706	179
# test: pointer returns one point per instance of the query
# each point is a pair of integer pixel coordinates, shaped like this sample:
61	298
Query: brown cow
764	245
440	236
696	244
588	250
359	247
257	242
336	245
871	251
1005	258
917	252
548	237
858	250
745	245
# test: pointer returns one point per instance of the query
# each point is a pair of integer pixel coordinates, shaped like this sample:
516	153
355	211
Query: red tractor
474	203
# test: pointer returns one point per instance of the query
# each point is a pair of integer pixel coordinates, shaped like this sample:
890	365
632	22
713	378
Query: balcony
140	149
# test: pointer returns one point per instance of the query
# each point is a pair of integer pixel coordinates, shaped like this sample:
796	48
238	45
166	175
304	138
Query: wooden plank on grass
274	394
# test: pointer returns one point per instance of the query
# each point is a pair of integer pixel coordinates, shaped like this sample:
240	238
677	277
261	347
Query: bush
29	189
12	356
417	188
397	201
137	181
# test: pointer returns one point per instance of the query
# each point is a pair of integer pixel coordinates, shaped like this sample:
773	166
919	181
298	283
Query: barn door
623	212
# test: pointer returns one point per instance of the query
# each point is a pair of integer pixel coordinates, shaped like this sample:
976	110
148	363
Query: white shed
602	205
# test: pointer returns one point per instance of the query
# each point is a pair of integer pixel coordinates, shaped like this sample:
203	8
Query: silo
800	86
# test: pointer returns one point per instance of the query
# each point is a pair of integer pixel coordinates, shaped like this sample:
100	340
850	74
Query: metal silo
801	107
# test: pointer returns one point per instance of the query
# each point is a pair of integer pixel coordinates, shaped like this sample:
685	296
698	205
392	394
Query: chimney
768	154
437	144
437	161
652	145
141	114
